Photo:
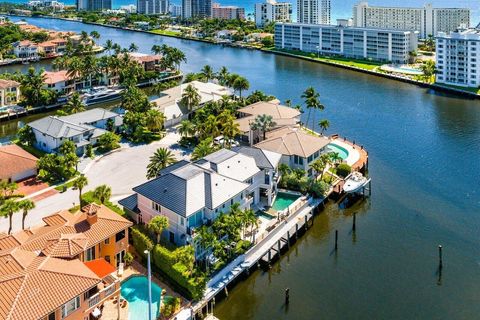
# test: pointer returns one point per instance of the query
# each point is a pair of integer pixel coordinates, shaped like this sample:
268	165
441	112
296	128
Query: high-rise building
175	10
94	5
427	20
351	42
153	6
272	11
227	12
196	8
314	11
458	58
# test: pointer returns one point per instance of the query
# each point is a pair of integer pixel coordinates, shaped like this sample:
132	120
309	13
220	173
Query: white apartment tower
427	20
272	11
457	59
314	11
153	6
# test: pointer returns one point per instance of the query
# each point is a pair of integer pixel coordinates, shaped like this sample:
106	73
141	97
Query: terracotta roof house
16	164
149	62
9	92
64	269
298	147
281	115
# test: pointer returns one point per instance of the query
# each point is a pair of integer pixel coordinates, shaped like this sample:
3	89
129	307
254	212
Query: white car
222	141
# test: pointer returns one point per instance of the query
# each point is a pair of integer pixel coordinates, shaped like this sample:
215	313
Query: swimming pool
342	152
135	291
284	200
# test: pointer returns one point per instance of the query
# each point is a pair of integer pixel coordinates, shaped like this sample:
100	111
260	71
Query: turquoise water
135	291
283	200
263	214
342	152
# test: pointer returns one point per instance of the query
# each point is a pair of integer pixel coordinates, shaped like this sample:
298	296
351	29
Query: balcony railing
102	295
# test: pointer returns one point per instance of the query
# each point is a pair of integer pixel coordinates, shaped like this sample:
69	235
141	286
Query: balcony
112	284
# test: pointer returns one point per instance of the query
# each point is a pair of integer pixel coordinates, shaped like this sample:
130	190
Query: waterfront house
47	49
149	62
61	45
9	92
82	128
25	49
191	194
169	102
59	81
65	269
298	147
16	163
281	115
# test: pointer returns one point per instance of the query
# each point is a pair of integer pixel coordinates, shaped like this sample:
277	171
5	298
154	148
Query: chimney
91	211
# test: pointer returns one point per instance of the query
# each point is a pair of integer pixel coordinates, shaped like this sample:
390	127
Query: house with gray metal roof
82	128
191	194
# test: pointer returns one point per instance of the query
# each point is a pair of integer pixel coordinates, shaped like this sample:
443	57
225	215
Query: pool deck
363	154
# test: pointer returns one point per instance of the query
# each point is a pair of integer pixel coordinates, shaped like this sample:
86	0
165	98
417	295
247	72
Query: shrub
141	241
89	151
109	141
128	258
319	188
343	170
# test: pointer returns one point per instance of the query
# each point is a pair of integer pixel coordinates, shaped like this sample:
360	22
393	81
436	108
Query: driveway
122	170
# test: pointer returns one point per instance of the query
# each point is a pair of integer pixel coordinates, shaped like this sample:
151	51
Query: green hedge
141	241
343	170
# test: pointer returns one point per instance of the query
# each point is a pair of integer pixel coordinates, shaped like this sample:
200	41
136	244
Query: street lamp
149	285
318	51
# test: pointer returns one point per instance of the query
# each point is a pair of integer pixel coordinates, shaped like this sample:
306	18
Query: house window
107	241
182	221
70	307
119	236
90	254
107	258
51	316
156	207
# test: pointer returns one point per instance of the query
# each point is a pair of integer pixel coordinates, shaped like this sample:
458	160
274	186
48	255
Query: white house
25	49
82	128
9	92
191	194
169	102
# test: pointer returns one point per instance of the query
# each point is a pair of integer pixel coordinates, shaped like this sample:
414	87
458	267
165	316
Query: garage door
24	174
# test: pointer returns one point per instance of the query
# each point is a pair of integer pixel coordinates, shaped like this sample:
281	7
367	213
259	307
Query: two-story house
298	147
192	194
65	269
25	49
82	128
9	93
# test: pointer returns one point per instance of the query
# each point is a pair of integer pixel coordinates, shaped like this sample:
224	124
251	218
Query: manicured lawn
363	64
469	89
166	32
37	153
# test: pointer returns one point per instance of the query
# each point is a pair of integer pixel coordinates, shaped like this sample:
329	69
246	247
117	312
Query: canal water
424	160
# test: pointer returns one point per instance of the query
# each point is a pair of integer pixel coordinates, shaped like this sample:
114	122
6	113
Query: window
51	316
119	236
70	307
182	221
156	207
90	254
107	241
107	258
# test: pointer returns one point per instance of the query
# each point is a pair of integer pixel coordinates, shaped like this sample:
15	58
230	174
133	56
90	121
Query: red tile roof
15	160
4	84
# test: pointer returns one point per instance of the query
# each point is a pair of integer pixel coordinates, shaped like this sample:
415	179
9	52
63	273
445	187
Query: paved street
122	169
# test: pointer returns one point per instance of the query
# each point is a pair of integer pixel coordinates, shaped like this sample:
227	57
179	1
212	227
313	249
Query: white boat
354	182
101	94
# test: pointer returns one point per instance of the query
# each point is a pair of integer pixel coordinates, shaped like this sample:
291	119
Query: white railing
94	300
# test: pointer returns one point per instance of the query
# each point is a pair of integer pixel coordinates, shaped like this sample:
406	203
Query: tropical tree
251	220
263	123
157	225
324	125
33	91
203	149
319	166
335	157
102	193
109	46
74	104
428	69
240	84
25	205
207	73
190	97
7	209
133	47
185	255
222	75
26	136
155	120
80	183
186	128
161	159
312	101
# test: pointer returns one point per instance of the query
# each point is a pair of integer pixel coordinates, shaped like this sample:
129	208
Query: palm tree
95	35
186	128
133	47
203	149
207	73
263	123
8	208
74	104
75	68
324	125
319	166
190	97
210	127
32	87
157	225
7	189
155	120
109	46
80	183
161	159
25	205
156	49
251	220
240	84
313	102
102	193
335	157
222	75
428	69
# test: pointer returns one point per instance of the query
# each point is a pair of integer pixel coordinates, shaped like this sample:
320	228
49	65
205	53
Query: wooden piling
296	231
287	295
336	240
288	239
440	258
354	227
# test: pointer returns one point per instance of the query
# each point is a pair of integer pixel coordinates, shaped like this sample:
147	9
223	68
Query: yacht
354	182
101	94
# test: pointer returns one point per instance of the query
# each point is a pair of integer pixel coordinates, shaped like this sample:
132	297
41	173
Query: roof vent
216	184
165	190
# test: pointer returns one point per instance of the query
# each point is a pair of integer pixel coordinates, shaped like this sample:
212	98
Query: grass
166	32
469	89
37	153
68	184
88	197
358	63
